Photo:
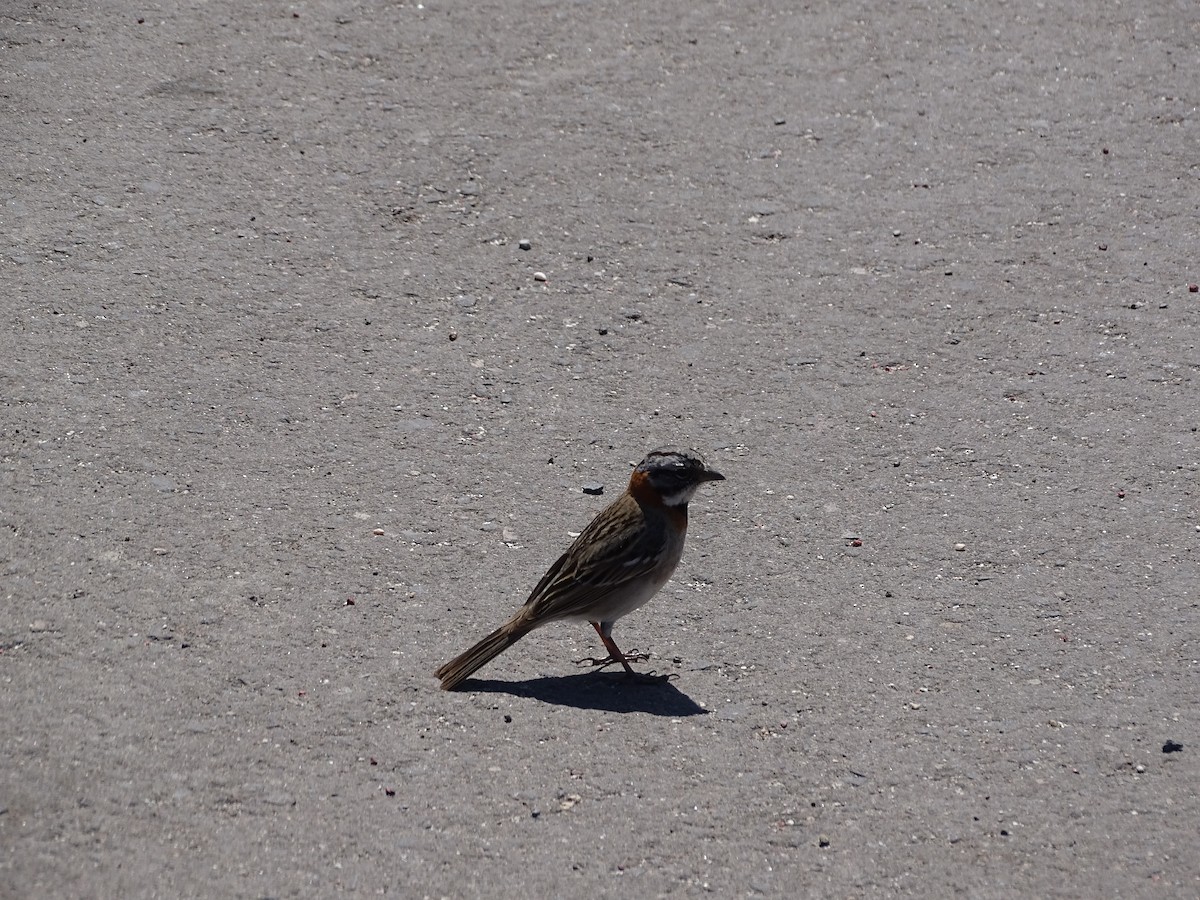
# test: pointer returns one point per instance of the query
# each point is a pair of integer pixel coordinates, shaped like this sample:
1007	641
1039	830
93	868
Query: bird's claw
626	658
628	675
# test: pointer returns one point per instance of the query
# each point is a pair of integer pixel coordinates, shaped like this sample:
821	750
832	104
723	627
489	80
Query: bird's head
671	476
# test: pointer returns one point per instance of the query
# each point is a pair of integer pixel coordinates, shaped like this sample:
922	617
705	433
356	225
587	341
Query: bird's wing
605	558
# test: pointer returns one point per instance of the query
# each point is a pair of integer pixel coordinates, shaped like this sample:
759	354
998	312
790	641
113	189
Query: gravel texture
290	416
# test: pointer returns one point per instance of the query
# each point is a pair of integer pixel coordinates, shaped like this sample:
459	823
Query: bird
618	562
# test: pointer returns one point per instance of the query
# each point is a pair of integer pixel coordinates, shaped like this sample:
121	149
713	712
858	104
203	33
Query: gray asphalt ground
289	418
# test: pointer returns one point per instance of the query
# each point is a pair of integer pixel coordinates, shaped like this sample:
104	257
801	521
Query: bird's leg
614	652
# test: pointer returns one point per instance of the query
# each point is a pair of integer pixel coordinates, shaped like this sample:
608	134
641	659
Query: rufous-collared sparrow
615	565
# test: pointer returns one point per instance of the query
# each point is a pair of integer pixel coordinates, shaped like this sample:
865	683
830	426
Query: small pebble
593	487
39	625
1193	288
539	276
960	547
525	245
378	532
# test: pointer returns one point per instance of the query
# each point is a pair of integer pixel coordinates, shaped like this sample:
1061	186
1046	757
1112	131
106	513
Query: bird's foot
629	676
624	659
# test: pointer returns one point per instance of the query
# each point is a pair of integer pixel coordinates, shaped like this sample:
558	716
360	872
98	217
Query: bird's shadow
612	693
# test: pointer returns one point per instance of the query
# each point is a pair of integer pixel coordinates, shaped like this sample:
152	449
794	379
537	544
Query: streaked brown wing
598	563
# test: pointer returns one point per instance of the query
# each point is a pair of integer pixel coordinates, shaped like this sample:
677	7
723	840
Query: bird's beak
713	475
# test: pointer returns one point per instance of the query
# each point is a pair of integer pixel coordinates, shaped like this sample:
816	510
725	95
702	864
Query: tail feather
467	663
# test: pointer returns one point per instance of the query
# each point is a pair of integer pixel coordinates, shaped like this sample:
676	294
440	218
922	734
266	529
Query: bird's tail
466	664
